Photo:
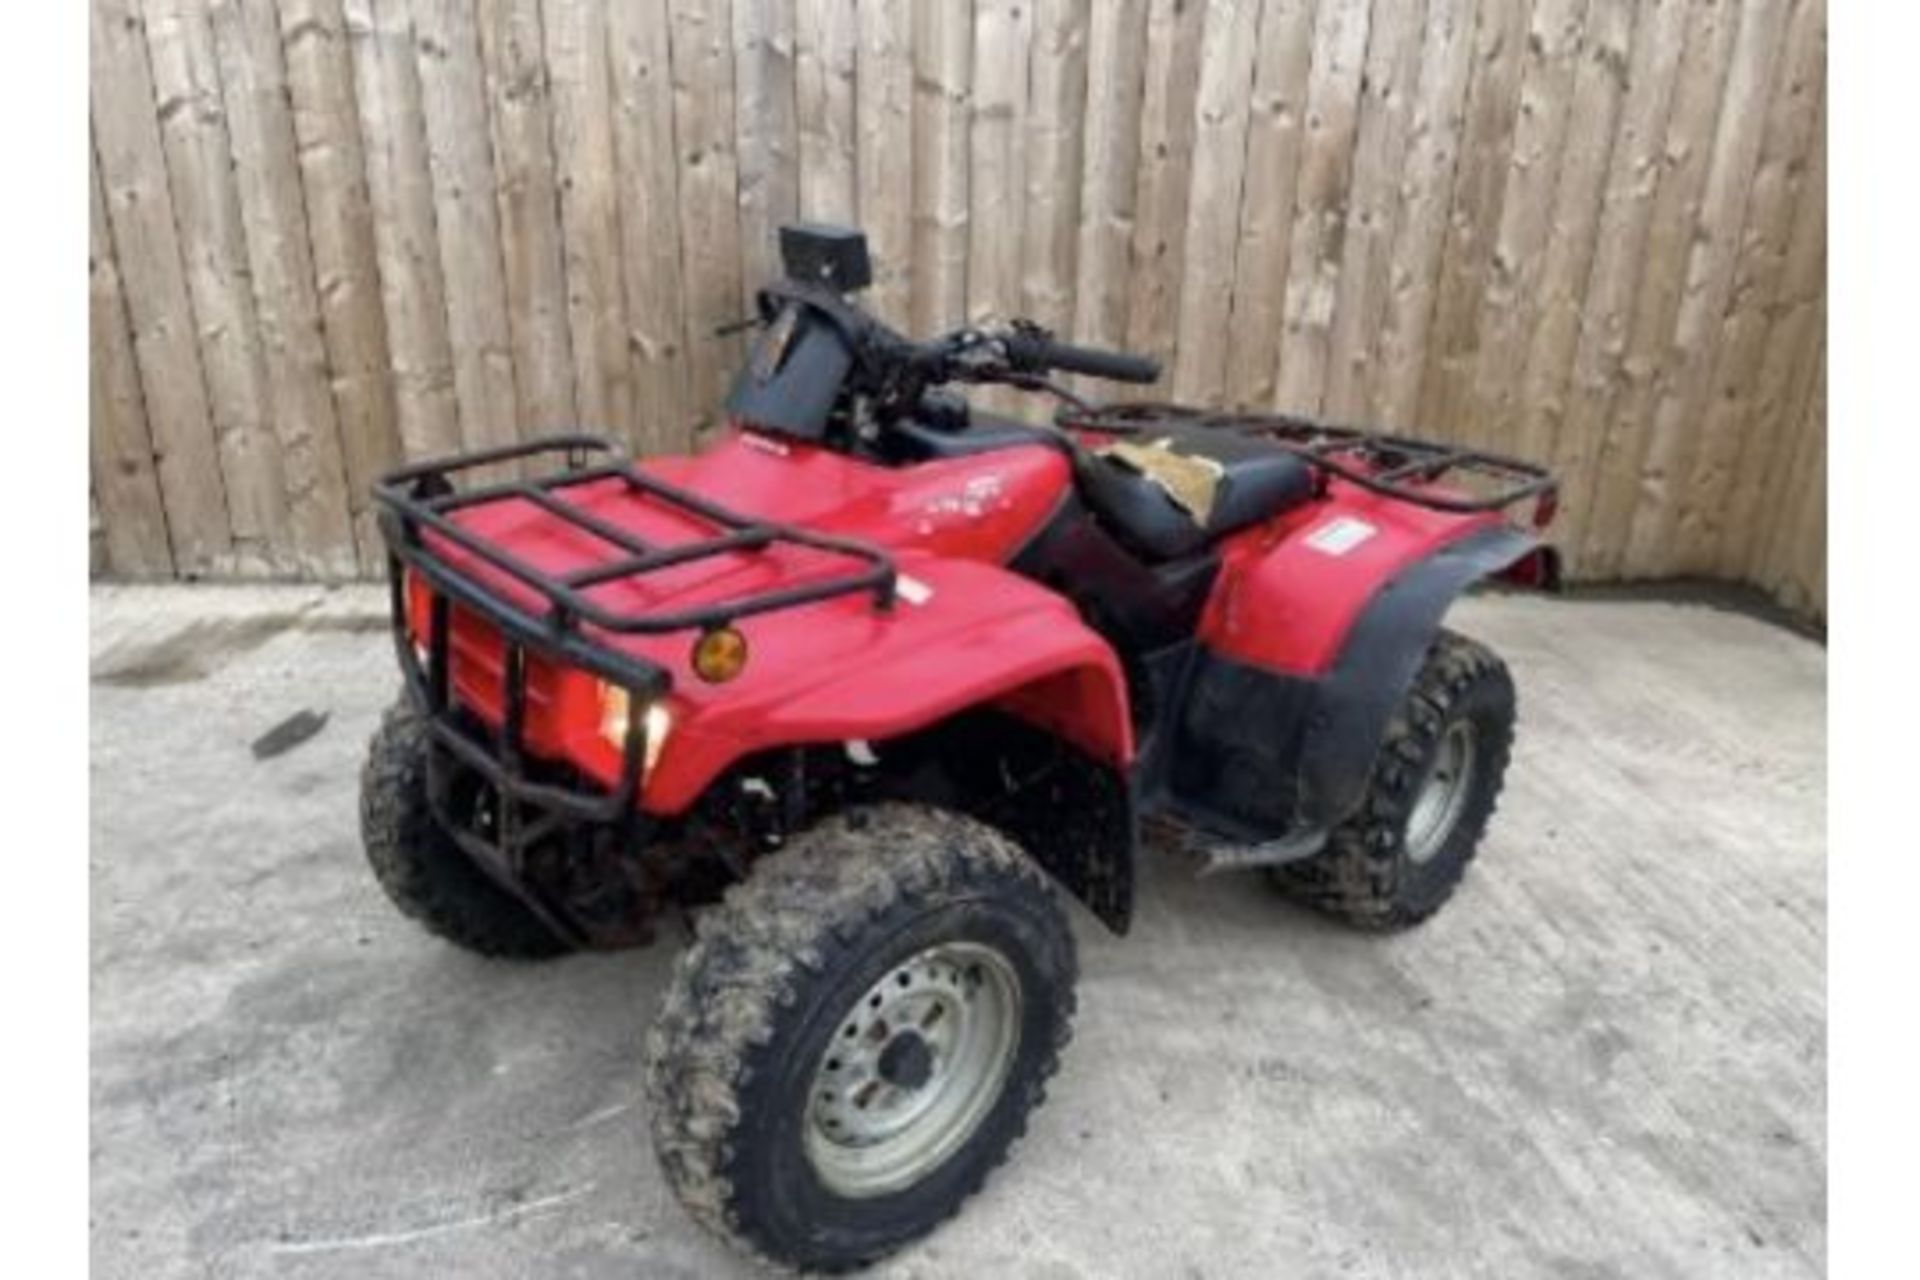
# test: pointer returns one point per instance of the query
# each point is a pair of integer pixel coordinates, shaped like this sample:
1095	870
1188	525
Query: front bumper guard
526	810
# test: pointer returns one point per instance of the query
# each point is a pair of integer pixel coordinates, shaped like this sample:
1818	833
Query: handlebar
895	371
1036	350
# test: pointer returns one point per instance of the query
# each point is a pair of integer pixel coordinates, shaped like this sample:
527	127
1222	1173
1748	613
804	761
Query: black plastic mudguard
1267	755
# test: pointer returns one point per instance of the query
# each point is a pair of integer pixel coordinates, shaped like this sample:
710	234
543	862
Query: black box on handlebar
836	257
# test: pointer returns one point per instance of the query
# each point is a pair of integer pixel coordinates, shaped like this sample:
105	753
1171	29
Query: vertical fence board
702	36
1257	290
405	241
826	52
1221	106
133	523
576	33
1158	253
883	152
1788	554
1627	205
1050	218
520	125
649	187
1420	222
1807	592
213	250
253	81
453	103
1793	122
1002	39
1675	418
159	314
766	135
942	95
97	551
1560	283
1517	256
1687	152
1791	320
333	178
1392	70
1002	34
1797	326
1479	192
1116	64
1320	204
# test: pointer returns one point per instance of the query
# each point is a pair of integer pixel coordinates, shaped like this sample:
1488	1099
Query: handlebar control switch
944	411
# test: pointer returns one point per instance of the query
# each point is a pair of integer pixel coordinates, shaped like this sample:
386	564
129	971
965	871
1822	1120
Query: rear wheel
857	1035
423	871
1400	856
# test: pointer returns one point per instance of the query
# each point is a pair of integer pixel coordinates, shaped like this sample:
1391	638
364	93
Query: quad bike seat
1171	492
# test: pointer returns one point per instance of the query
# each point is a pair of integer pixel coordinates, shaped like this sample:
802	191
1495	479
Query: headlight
616	711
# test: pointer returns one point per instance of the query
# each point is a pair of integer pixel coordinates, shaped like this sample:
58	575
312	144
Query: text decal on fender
1338	536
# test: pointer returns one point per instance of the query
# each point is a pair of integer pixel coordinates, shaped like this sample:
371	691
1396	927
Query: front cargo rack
1394	466
422	498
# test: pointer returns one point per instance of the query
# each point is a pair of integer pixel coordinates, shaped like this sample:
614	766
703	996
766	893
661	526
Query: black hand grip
1033	351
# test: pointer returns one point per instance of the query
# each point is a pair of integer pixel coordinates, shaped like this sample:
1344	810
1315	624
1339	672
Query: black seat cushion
1258	479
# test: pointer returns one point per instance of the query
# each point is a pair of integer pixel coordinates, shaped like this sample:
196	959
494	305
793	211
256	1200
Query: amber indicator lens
719	655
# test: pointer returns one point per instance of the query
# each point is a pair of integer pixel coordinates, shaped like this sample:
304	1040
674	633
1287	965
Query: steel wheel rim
884	1111
1443	793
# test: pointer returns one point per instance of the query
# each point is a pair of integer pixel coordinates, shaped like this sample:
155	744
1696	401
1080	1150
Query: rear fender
1290	703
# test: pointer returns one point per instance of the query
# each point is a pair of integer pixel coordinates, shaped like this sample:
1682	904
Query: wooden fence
329	233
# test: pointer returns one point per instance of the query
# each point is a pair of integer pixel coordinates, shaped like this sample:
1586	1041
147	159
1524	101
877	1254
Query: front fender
979	636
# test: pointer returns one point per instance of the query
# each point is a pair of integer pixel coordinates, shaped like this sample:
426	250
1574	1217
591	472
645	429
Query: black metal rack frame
422	497
1390	465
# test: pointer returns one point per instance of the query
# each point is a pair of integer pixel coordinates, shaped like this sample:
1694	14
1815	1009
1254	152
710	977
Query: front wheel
423	871
858	1034
1400	856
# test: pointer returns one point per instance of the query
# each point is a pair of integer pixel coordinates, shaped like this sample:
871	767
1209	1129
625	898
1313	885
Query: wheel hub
906	1062
1442	797
913	1068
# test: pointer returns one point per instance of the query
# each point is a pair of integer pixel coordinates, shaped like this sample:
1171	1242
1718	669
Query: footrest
1217	853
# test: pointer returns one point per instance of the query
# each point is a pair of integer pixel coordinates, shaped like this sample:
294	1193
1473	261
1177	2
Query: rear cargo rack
1394	466
422	497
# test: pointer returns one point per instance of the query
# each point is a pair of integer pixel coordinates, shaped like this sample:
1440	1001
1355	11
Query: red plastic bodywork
966	632
963	633
1290	590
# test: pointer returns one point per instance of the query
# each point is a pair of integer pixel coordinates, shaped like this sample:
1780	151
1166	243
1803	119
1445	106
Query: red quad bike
873	675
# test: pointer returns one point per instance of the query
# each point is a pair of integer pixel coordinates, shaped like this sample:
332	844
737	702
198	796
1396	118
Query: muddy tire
857	1035
1400	856
420	867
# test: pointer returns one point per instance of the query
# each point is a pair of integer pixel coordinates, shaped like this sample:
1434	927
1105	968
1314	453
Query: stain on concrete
289	733
202	647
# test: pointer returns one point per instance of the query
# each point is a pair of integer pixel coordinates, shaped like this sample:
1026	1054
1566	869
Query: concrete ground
1606	1058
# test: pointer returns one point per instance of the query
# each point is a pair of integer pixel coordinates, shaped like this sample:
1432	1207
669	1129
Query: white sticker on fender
753	440
912	590
1340	535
